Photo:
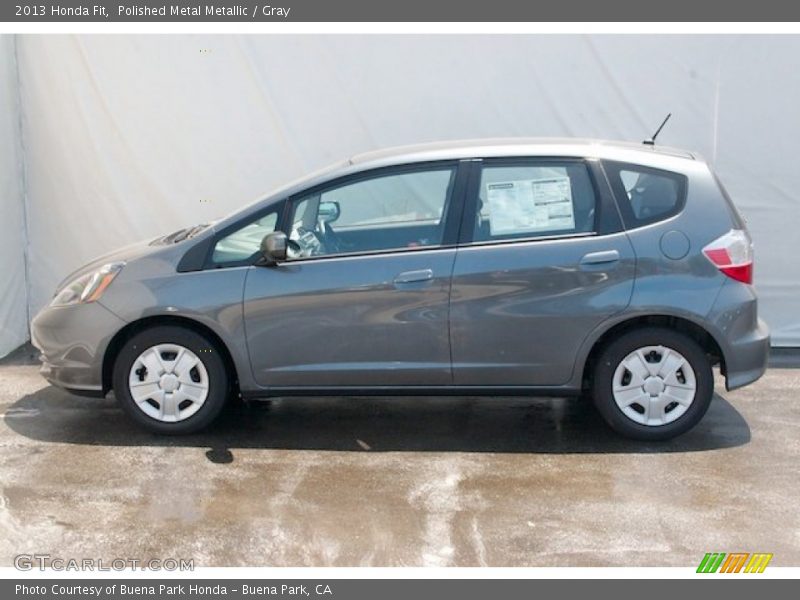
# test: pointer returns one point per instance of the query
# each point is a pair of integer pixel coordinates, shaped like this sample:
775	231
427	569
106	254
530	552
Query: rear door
542	261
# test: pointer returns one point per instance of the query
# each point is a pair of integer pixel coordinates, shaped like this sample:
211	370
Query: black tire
204	349
614	353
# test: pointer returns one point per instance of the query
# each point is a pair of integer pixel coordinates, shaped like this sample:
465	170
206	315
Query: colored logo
736	562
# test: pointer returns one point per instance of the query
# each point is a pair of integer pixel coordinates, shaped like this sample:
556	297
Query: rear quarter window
646	195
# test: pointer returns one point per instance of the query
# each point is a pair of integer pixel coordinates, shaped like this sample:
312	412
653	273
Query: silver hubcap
168	382
654	385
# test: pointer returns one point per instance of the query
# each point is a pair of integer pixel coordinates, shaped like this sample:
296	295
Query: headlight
89	287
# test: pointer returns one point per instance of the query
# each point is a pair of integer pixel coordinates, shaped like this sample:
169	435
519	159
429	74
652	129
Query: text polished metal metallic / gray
609	270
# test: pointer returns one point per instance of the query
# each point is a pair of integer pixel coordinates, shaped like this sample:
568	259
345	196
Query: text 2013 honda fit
539	267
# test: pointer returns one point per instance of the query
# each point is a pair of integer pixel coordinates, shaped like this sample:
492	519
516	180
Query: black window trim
606	219
612	170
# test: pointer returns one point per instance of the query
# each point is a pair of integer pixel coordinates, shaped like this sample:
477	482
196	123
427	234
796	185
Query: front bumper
72	341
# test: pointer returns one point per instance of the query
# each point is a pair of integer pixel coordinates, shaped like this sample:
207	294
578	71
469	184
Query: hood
126	254
140	249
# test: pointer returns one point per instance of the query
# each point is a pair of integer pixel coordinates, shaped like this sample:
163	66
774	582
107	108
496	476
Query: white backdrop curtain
126	137
13	294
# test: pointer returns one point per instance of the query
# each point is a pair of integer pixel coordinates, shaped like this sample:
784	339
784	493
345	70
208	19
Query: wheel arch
694	330
134	327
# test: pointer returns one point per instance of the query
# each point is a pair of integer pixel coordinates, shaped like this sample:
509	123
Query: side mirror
328	212
273	247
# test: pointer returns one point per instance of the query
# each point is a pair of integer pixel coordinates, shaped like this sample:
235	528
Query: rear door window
646	195
535	199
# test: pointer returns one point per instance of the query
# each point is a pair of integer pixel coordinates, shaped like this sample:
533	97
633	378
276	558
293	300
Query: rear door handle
599	258
414	276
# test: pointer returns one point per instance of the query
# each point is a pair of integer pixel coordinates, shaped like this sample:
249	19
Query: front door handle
414	276
600	258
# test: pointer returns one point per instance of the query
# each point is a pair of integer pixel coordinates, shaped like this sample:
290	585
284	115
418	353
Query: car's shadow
419	424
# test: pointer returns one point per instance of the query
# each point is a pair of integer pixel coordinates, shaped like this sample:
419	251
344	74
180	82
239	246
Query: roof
459	149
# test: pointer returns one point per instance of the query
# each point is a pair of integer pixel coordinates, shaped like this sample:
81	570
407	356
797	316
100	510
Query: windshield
331	168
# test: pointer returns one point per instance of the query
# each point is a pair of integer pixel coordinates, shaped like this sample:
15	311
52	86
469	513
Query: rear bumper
747	359
743	337
72	341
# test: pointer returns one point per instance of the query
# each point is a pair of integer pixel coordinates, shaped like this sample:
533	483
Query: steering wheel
308	242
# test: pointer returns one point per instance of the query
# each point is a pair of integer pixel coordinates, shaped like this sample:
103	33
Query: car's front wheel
653	384
171	380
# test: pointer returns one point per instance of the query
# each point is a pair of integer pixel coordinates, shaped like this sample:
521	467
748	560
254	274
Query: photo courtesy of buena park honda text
351	299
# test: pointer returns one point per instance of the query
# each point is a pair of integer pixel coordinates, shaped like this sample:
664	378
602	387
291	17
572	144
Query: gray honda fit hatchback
608	270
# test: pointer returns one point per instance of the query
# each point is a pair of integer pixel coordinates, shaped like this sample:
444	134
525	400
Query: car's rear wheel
171	380
652	384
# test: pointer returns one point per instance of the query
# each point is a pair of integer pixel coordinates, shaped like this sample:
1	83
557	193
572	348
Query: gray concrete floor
392	482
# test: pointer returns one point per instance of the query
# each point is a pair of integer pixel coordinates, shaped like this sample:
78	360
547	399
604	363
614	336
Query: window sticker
529	206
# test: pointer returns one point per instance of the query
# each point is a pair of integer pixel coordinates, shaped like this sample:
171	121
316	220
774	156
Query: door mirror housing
273	248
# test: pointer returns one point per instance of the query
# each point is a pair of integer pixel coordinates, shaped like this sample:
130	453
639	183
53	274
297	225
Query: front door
363	299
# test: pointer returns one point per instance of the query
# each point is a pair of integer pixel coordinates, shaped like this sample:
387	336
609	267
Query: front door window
387	212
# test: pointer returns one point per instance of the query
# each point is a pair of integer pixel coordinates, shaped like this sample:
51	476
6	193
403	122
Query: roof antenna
651	141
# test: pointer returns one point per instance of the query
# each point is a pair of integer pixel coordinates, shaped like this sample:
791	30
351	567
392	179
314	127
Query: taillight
733	255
